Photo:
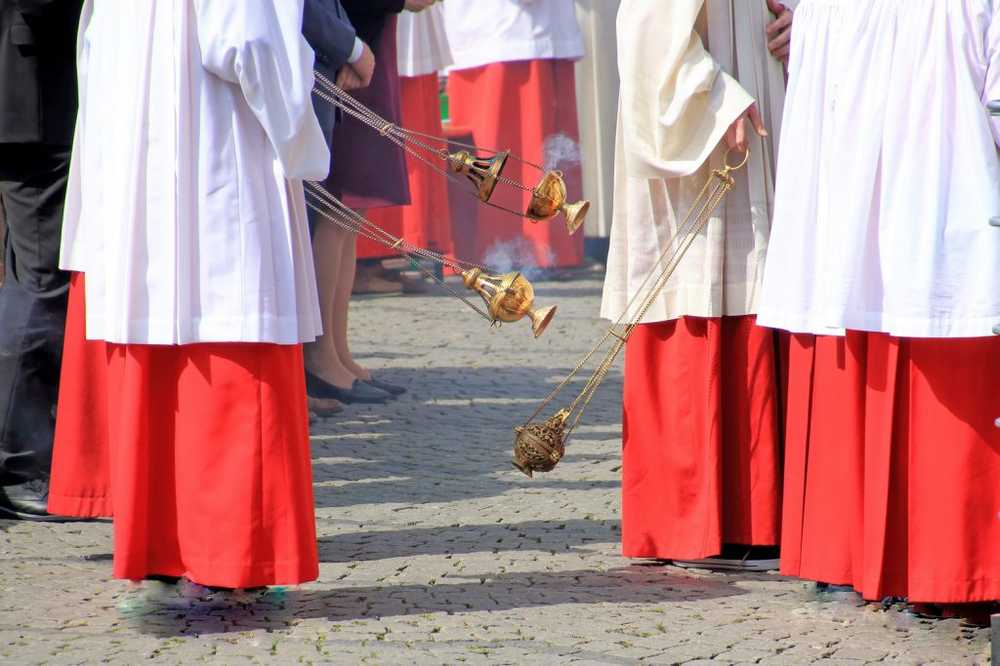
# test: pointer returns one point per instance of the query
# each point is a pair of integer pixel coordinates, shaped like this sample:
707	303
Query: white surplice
185	207
688	69
422	42
889	233
482	32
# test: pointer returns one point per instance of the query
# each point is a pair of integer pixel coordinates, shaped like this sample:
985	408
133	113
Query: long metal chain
406	139
370	230
335	212
345	98
708	200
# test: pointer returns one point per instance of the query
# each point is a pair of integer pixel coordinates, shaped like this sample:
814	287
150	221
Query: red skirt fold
426	222
702	455
81	476
894	463
208	458
522	107
824	459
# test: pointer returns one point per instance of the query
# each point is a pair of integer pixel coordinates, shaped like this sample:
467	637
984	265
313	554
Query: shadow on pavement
280	608
543	535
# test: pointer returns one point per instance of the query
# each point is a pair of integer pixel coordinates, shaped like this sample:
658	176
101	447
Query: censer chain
388	130
372	231
357	223
697	217
330	214
385	238
685	226
403	137
595	381
396	135
347	99
704	212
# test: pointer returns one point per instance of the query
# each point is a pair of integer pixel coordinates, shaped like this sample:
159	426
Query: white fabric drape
193	115
689	68
889	234
597	106
422	42
482	32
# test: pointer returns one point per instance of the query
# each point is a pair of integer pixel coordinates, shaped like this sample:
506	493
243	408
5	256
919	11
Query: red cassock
200	451
522	107
702	454
893	466
81	478
426	221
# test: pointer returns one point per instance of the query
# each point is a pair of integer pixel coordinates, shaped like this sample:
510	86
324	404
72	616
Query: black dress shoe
393	389
28	501
359	392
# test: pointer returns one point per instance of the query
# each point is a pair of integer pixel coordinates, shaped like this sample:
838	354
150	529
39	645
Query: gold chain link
708	200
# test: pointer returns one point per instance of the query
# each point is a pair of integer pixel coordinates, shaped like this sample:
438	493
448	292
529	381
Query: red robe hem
201	450
701	459
892	465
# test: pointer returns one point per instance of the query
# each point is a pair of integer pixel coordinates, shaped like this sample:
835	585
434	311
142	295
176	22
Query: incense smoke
517	255
560	152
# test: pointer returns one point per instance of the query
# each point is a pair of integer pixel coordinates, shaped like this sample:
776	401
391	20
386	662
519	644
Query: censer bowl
509	298
538	447
548	199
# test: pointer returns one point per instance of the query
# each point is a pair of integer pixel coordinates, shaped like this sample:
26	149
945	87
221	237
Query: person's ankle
341	377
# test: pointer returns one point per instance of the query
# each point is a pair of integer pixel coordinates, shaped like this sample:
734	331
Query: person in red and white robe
884	267
513	85
194	287
701	449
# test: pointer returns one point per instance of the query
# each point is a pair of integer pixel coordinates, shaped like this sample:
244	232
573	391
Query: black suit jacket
368	16
38	96
330	34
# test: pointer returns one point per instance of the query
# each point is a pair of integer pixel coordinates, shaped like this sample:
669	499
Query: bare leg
322	357
342	299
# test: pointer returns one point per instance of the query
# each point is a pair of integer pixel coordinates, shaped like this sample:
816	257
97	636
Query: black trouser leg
32	307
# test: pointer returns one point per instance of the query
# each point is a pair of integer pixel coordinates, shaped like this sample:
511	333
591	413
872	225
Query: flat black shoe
29	501
359	392
392	389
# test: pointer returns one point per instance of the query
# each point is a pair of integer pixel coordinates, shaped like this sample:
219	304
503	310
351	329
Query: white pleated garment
678	99
482	32
881	214
422	42
185	207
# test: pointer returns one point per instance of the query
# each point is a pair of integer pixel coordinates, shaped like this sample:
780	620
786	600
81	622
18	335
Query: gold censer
548	199
509	298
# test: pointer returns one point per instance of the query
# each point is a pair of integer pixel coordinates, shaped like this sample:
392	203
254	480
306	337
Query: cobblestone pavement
435	550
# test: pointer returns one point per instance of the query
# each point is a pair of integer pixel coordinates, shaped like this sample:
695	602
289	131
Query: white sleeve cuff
359	48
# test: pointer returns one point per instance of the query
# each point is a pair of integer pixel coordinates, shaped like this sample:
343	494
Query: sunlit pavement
435	550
